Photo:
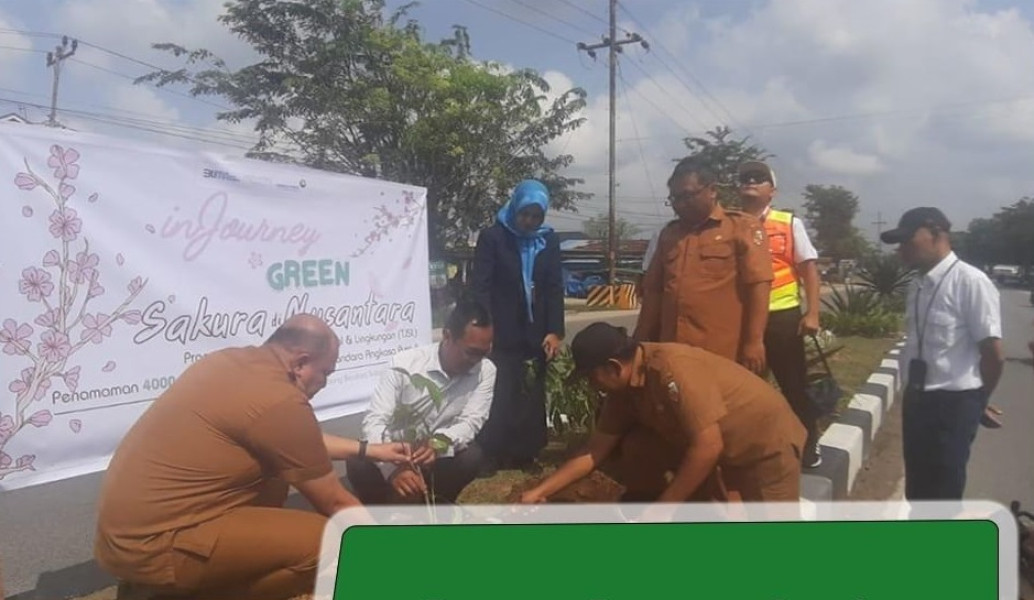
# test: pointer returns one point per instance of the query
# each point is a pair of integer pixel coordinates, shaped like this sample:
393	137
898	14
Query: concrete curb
847	442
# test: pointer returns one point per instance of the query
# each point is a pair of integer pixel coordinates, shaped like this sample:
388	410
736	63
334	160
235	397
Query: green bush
860	310
887	277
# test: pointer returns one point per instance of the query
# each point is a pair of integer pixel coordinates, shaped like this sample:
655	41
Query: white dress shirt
965	311
467	399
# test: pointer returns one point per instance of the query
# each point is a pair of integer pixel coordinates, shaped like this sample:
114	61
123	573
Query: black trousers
784	353
938	430
447	476
516	426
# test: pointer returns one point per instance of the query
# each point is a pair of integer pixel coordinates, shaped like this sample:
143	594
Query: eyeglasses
754	179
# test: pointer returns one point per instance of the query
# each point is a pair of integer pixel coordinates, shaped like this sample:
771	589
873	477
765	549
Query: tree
353	91
725	155
1007	237
598	228
830	211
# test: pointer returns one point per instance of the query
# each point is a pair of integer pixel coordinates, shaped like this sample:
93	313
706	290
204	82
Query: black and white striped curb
847	442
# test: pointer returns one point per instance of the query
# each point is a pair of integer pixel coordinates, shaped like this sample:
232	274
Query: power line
642	154
549	15
663	91
693	78
523	22
18	49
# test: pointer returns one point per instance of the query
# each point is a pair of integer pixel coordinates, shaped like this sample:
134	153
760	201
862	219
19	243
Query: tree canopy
725	154
356	91
830	210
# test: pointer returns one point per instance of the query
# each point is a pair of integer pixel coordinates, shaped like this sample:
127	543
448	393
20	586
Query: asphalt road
46	532
1001	467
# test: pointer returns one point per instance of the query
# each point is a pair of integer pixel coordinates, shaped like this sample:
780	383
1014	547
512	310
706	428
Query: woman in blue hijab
517	276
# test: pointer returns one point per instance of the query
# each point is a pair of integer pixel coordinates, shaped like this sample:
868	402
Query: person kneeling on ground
459	368
192	501
697	412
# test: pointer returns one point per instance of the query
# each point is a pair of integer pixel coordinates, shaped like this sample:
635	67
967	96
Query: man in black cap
952	356
694	412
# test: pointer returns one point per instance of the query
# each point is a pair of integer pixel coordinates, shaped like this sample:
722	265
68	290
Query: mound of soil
596	488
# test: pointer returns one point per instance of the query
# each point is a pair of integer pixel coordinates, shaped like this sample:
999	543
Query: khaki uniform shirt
693	291
232	431
678	391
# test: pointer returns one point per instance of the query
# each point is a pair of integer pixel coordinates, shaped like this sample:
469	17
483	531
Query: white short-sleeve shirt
965	311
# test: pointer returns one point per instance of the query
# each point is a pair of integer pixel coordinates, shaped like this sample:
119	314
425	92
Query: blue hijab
527	193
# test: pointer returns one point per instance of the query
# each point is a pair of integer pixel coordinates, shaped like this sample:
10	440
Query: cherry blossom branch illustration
55	346
386	221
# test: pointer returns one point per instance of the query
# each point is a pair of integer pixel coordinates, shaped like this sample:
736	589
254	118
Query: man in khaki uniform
704	412
192	500
708	282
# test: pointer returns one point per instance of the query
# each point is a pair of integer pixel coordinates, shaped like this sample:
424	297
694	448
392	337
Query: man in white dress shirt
952	358
459	368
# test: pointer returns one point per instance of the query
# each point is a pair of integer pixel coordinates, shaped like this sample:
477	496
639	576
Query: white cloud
870	95
132	26
841	159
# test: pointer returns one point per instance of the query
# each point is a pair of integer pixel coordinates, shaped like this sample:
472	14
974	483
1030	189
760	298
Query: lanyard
926	316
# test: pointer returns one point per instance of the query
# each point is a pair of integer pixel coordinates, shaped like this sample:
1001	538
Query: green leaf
440	443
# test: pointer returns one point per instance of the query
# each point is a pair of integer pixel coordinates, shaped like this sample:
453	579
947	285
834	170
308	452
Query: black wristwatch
362	448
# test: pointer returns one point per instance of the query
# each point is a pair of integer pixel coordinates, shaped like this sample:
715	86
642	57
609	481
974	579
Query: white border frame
544	514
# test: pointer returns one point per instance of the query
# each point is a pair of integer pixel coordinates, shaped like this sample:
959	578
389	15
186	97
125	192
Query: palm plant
887	277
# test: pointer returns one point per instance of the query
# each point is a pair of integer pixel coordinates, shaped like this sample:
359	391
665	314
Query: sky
904	102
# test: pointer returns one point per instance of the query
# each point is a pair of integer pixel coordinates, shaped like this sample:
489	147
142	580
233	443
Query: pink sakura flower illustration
35	283
136	285
51	259
84	267
25	462
54	346
63	162
65	224
96	328
71	378
49	319
19	386
66	191
96	289
131	316
41	418
15	337
75	425
5	460
26	182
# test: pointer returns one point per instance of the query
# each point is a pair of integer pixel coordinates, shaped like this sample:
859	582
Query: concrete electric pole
54	60
613	46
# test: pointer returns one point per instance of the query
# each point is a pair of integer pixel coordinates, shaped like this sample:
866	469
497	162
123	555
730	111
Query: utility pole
879	223
613	46
54	60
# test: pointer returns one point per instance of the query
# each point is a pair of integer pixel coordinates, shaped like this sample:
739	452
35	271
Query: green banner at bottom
640	561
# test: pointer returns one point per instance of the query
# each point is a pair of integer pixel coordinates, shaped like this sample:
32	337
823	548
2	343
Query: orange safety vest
785	287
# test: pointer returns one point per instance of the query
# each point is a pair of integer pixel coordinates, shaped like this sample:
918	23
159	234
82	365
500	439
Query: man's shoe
812	456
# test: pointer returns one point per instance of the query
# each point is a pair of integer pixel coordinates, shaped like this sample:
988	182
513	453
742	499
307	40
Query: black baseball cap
594	346
912	221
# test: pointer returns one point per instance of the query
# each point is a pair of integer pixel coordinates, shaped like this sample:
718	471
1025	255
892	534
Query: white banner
123	263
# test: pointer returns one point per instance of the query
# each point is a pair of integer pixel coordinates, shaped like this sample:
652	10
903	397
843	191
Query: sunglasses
754	179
